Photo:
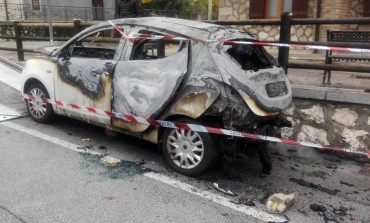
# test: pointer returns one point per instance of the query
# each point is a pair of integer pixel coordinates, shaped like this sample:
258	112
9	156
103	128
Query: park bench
345	36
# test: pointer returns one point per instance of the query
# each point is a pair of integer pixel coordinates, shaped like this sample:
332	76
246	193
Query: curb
11	64
331	94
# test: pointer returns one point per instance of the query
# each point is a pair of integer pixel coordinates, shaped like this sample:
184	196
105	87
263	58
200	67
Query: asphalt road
47	177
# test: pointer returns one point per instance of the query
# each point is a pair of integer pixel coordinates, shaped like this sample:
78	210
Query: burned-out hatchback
136	67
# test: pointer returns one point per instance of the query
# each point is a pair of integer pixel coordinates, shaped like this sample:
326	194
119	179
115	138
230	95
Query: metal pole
6	10
284	38
317	28
18	41
51	33
209	9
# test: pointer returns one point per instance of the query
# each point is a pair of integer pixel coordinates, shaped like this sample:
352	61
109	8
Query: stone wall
330	123
341	9
236	10
272	33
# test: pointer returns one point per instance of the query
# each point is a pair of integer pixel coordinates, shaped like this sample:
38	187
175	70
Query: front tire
39	111
186	151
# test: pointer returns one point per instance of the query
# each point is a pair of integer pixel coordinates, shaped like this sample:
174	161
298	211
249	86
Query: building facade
65	10
235	10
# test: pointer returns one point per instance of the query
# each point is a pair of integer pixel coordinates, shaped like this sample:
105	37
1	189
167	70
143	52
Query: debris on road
318	208
103	148
109	198
346	183
278	203
245	201
227	192
110	161
334	215
314	186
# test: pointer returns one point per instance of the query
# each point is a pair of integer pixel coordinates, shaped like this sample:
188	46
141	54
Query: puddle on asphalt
118	170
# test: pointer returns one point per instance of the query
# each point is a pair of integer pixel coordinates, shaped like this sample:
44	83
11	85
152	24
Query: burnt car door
85	73
148	77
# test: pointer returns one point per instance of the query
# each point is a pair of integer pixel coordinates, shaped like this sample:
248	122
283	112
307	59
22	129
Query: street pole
51	34
209	9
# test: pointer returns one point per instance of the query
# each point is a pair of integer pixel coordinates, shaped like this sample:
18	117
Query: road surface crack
11	213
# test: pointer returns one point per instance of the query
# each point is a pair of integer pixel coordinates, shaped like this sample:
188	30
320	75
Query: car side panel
42	70
143	88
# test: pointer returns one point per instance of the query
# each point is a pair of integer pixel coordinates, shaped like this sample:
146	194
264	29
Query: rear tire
186	151
39	111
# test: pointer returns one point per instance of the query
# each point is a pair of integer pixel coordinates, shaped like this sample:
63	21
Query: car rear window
250	57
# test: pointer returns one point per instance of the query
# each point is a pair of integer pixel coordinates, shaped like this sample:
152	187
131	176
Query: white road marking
48	138
254	212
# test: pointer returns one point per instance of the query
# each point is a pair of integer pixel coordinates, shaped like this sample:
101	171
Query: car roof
189	28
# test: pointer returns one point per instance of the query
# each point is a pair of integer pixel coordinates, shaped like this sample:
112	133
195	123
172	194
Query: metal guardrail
75	26
286	23
285	26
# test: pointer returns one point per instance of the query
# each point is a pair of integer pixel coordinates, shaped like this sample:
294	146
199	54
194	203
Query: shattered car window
102	44
86	60
149	49
250	57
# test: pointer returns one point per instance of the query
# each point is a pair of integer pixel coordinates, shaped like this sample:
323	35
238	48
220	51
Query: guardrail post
284	38
6	10
76	26
18	41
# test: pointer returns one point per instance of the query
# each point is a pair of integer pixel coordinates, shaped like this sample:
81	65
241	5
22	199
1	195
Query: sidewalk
339	79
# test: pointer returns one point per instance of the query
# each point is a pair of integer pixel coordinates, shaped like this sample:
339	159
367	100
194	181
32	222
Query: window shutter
366	8
300	8
256	9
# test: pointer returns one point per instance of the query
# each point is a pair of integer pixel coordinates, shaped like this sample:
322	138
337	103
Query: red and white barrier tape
196	128
133	36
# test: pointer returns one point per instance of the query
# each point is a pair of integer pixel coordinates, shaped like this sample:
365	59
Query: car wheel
39	111
186	151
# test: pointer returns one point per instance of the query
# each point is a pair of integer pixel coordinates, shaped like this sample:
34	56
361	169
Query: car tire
39	111
186	151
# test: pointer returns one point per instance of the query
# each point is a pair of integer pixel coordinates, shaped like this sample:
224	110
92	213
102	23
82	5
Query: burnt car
201	77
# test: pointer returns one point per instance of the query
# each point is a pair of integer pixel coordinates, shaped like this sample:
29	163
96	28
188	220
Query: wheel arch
31	81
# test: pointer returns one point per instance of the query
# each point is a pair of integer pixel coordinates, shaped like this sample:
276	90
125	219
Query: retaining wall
331	123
